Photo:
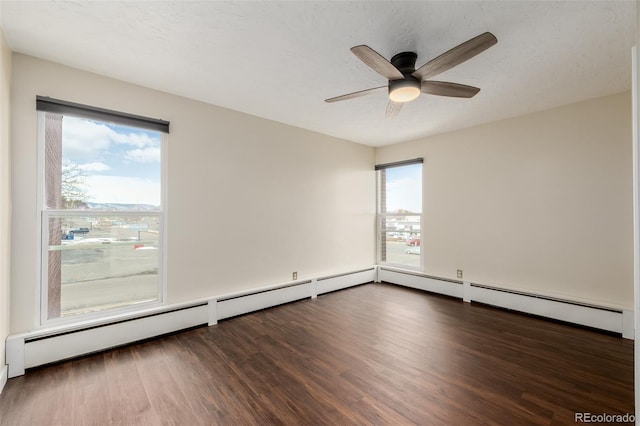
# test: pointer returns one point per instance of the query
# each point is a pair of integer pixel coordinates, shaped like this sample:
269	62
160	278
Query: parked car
413	241
80	230
413	250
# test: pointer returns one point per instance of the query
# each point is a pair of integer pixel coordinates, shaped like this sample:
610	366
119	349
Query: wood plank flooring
373	354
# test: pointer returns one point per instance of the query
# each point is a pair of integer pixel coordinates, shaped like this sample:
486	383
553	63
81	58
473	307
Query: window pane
403	189
401	236
96	165
400	207
103	262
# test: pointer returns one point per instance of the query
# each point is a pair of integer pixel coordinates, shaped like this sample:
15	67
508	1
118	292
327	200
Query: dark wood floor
374	354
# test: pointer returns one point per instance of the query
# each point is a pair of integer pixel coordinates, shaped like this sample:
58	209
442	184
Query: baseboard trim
584	314
4	376
34	349
422	282
567	311
239	305
47	345
339	282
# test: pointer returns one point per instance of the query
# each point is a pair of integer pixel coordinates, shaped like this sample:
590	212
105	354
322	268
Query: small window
102	211
400	214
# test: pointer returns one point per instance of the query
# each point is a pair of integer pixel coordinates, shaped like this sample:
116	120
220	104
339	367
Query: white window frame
382	217
43	243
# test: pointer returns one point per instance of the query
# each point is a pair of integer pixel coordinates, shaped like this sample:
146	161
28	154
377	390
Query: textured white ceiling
280	60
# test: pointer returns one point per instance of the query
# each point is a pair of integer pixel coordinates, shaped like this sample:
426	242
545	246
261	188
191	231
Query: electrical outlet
295	276
459	273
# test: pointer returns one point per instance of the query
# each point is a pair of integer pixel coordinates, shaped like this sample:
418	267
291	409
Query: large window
400	213
102	210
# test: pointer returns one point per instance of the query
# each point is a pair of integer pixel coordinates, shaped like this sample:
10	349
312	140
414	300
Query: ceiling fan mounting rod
405	62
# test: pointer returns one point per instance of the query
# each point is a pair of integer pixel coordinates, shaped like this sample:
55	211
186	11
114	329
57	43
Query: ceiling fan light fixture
404	90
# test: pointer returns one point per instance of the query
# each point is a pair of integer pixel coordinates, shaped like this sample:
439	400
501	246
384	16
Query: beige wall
540	203
250	200
5	192
537	203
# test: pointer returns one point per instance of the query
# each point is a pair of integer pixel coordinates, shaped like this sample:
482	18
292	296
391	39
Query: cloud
120	189
146	155
81	136
136	139
94	167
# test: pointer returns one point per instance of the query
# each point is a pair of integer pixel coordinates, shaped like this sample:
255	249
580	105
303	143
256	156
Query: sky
404	188
121	163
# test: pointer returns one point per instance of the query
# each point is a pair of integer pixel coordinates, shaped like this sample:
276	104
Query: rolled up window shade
399	163
44	103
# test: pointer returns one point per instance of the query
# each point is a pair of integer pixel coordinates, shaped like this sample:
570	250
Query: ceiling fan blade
444	88
393	108
456	56
358	94
377	62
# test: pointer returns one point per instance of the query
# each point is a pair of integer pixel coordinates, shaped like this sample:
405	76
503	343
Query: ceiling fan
406	82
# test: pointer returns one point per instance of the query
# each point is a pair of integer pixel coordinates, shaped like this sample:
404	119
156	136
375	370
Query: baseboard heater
422	282
587	315
232	306
41	347
242	303
338	282
32	349
4	376
600	317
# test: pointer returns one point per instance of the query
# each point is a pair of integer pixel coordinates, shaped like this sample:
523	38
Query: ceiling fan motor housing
408	88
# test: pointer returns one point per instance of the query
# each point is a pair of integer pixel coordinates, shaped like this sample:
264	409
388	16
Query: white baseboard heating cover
45	346
603	318
3	377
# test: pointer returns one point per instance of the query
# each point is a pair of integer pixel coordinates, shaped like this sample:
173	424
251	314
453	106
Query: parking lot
398	252
108	267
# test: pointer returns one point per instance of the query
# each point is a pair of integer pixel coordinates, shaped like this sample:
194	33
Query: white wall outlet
295	276
459	273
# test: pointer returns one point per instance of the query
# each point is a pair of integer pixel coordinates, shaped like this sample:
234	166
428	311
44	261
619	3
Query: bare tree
73	193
